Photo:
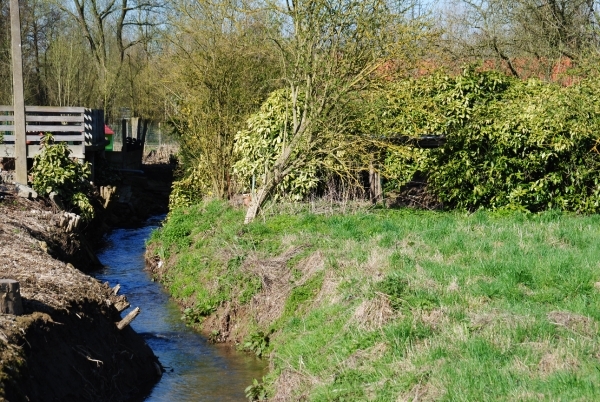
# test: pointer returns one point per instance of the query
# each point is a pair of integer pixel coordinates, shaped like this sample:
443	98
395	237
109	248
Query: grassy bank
397	304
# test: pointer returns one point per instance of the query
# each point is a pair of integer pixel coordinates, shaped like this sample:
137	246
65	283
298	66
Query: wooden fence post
144	132
10	297
135	124
124	135
18	97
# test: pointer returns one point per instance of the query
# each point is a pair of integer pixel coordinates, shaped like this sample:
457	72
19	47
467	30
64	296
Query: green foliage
329	58
176	235
481	272
191	188
258	343
256	391
191	316
220	76
195	235
509	144
55	171
438	104
402	163
402	296
481	303
81	203
197	313
529	150
301	295
264	139
395	287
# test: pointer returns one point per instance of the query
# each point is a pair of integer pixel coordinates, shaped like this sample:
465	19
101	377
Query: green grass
408	305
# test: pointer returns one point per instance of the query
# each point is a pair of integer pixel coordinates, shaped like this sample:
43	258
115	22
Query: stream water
195	369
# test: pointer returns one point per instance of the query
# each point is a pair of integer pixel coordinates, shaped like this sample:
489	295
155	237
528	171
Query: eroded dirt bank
66	346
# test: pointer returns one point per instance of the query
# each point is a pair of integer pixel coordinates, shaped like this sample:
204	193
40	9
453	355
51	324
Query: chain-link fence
158	135
159	146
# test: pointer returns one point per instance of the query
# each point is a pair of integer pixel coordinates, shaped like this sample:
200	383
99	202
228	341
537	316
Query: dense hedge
510	144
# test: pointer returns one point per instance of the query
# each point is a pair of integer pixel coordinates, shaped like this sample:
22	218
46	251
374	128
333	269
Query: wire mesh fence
157	135
159	144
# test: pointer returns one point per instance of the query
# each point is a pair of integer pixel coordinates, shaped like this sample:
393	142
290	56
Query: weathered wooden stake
159	134
18	97
122	305
10	297
128	318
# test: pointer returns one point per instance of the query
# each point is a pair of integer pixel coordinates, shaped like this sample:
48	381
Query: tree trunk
258	200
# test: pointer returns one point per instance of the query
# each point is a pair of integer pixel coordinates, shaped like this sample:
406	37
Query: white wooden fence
81	128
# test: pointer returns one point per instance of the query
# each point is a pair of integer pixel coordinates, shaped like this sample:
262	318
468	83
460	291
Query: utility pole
18	97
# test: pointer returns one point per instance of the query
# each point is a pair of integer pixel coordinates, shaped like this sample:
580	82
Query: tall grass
404	304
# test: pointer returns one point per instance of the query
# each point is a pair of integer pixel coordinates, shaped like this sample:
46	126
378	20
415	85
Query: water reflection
196	370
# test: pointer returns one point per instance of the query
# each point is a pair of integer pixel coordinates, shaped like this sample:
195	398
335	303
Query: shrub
530	150
257	343
261	143
189	189
55	171
509	143
256	391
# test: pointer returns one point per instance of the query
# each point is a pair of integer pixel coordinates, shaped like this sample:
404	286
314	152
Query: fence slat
46	109
45	119
8	150
78	126
57	138
45	128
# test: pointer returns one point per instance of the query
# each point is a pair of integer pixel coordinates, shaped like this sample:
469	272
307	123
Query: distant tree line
279	98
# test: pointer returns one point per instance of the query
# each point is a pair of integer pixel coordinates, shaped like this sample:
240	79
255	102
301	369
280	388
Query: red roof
108	130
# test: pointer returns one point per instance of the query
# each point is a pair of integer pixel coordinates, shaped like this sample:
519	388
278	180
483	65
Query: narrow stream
196	369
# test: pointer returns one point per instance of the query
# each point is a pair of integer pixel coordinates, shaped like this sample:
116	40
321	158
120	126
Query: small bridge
81	128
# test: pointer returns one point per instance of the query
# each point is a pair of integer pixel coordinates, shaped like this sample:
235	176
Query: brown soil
66	346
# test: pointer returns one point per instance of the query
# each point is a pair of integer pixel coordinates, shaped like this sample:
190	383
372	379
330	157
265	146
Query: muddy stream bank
67	345
195	369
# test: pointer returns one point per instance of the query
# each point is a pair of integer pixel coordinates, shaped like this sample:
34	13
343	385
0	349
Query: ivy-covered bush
55	171
509	143
434	105
402	164
260	144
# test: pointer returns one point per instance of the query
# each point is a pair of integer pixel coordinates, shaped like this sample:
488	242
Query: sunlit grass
411	305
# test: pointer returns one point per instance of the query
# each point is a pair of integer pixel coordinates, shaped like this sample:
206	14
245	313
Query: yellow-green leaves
261	143
510	144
